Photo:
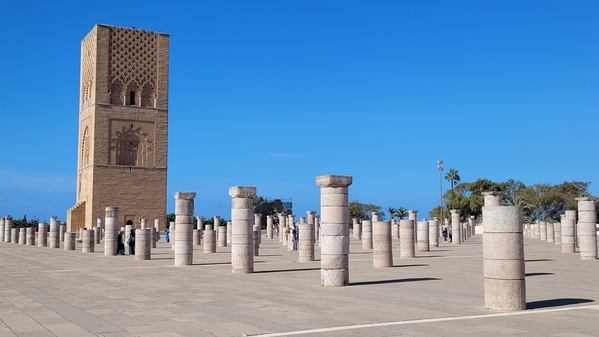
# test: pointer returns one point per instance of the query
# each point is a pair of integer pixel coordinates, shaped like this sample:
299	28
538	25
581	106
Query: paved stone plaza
52	292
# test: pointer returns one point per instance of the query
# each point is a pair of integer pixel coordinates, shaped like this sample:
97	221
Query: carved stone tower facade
123	110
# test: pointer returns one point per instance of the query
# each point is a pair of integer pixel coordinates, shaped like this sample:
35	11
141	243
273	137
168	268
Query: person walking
132	242
120	243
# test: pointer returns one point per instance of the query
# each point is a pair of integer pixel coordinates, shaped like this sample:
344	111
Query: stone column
30	236
413	215
184	227
356	229
433	232
22	236
61	230
470	227
111	231
456	237
550	232
171	231
306	239
70	239
128	229
587	232
422	236
269	226
87	241
2	222
382	252
197	233
503	258
557	229
537	231
366	234
258	225
526	230
15	235
374	217
395	233
98	230
143	225
256	231
406	237
152	237
290	224
209	240
54	233
222	236
242	210
42	235
216	219
157	227
334	262
282	227
143	245
229	228
567	226
543	230
317	232
571	214
8	229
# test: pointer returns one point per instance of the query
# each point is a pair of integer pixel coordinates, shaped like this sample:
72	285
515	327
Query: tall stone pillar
413	215
87	241
172	234
374	217
406	237
306	239
537	231
269	226
422	236
157	227
256	231
184	207
395	230
152	237
282	227
357	229
2	228
216	225
54	232
317	232
470	227
242	210
433	232
550	232
143	225
61	230
209	240
557	229
568	235
291	225
366	234
229	227
8	229
42	235
98	230
571	214
143	245
334	262
258	225
503	258
382	252
197	233
222	236
70	240
22	236
587	232
526	230
15	233
543	230
456	237
110	232
30	236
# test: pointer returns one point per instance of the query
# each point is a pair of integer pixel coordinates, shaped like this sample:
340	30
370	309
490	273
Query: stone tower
123	109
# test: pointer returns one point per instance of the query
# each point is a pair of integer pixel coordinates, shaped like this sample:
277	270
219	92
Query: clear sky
274	93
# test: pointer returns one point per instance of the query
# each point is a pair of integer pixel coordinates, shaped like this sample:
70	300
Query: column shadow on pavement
556	302
284	270
538	274
416	279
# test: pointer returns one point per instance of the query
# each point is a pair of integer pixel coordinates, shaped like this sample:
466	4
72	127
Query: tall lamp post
440	169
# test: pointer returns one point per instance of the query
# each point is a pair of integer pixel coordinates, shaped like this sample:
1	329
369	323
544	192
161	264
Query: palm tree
401	212
454	177
391	211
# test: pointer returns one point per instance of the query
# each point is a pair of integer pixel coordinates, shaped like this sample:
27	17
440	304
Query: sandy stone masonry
123	119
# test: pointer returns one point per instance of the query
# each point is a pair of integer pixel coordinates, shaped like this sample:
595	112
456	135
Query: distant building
123	109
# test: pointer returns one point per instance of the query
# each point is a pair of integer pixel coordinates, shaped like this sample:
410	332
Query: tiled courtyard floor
52	292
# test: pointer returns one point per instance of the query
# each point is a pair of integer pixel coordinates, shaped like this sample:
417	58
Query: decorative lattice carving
85	147
133	62
88	66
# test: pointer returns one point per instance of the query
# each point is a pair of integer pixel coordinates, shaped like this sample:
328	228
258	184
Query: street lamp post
440	169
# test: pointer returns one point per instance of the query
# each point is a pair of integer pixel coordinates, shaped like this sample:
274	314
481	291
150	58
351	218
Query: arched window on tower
132	98
128	151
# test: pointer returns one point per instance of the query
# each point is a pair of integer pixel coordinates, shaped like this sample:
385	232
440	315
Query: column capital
334	181
242	191
185	195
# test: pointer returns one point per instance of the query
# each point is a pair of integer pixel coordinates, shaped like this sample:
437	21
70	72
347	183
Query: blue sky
274	93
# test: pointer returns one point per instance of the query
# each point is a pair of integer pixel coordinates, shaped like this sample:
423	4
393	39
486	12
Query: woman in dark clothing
132	242
120	246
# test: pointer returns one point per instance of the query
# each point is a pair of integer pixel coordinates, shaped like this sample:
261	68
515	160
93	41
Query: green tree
362	211
401	213
452	176
266	206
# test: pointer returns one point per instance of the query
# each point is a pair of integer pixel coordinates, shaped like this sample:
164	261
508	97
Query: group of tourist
120	248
